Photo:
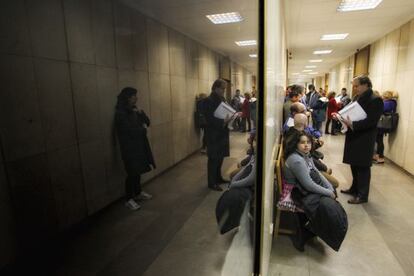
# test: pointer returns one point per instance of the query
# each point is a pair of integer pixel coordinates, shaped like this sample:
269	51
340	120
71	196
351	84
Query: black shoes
357	200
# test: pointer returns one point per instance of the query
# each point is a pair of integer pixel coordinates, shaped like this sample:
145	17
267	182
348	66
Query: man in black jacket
360	140
217	134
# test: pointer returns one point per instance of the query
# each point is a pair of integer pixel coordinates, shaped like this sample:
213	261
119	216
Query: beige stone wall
392	68
341	75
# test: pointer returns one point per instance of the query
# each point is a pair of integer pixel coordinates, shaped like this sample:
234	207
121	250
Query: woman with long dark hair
131	127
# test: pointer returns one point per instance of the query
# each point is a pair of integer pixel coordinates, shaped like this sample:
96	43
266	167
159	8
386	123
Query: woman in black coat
131	127
360	140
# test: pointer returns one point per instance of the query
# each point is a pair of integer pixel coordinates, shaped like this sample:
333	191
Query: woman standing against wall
390	106
131	127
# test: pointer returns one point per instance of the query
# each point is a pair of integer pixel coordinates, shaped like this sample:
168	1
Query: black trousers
380	144
361	177
204	146
333	127
133	179
214	170
243	125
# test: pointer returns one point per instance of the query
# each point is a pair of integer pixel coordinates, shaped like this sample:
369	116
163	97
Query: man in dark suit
217	134
316	107
360	140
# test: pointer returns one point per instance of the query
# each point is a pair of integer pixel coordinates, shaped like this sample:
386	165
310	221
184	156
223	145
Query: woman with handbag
390	106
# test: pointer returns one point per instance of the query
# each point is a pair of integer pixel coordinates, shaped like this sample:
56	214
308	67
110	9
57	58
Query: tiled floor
380	239
174	234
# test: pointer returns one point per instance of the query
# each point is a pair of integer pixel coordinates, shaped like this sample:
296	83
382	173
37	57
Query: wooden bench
281	212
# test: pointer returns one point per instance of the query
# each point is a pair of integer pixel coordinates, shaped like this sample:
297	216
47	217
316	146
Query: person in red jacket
245	108
333	107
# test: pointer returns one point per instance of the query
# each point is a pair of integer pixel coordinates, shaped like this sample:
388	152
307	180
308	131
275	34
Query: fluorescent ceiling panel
315	60
322	52
253	55
224	18
246	43
334	36
357	5
295	74
313	73
310	66
307	70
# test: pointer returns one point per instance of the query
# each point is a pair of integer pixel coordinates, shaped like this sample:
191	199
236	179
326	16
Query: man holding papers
218	115
360	118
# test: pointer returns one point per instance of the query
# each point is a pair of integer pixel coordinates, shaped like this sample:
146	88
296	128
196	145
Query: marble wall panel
204	86
191	57
20	120
203	69
158	53
94	176
180	139
55	102
86	101
160	96
103	33
178	97
7	229
162	146
126	78
192	91
32	197
107	90
176	44
123	36
139	37
141	78
78	24
409	149
392	41
14	32
67	184
403	47
47	31
410	53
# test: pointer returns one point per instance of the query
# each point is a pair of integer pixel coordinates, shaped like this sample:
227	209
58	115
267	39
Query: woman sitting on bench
300	170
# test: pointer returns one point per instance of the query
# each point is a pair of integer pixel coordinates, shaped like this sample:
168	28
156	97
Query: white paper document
224	110
354	111
290	122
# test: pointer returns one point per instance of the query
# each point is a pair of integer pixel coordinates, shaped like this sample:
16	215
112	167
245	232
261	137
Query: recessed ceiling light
223	18
334	36
357	5
295	73
322	52
310	66
307	70
313	73
253	55
246	43
315	60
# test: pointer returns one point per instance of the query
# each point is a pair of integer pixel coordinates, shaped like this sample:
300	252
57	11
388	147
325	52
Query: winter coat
132	135
245	109
360	139
333	107
217	134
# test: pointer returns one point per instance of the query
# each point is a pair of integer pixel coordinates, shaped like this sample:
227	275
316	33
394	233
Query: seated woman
300	170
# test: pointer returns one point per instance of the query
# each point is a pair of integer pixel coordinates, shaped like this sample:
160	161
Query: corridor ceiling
189	17
308	20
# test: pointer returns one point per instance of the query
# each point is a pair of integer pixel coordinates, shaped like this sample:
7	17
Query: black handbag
388	122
